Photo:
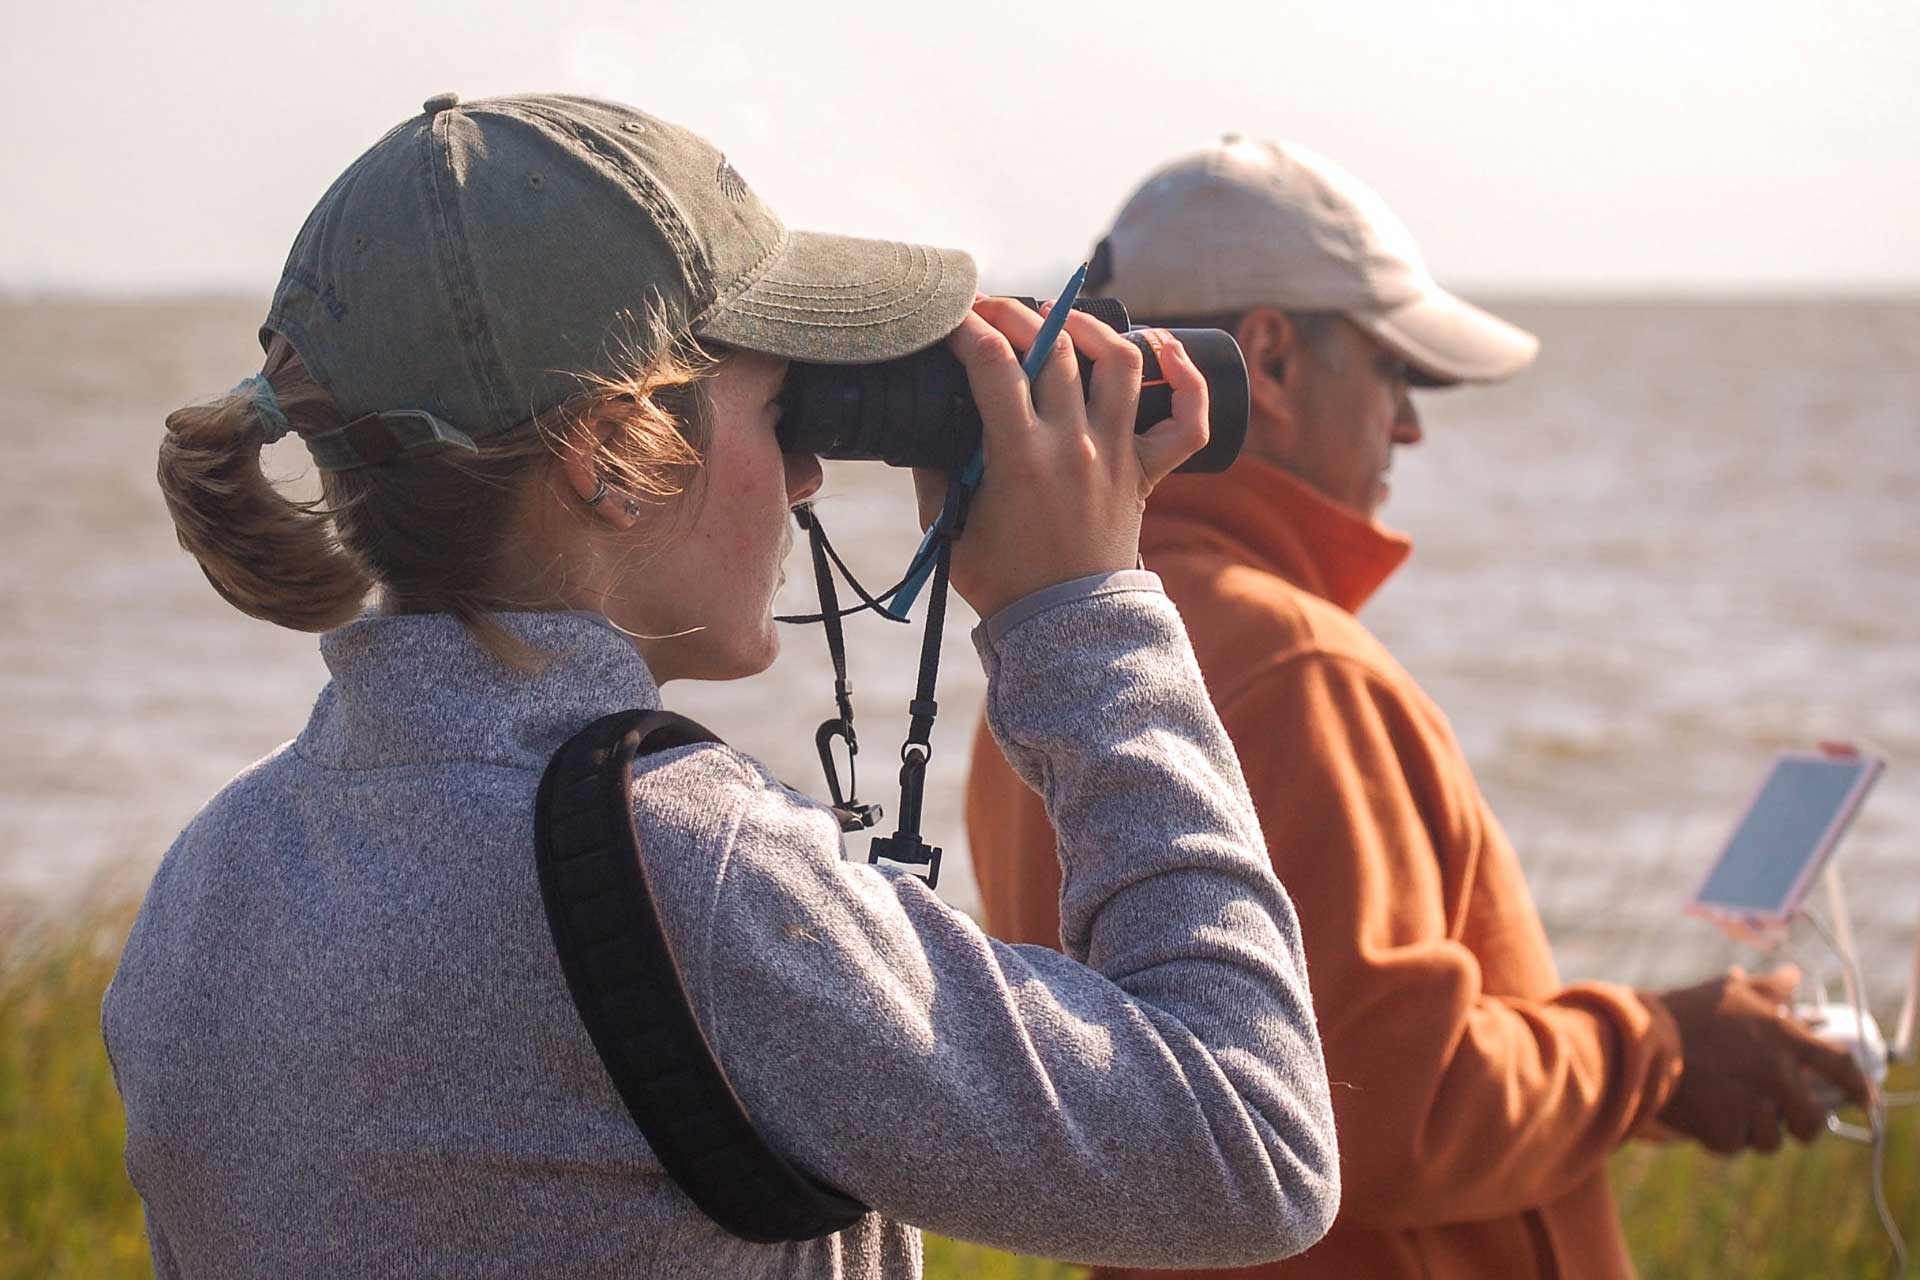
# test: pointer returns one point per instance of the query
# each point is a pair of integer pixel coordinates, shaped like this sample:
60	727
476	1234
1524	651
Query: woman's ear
580	467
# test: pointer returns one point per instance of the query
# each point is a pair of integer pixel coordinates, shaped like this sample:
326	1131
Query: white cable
1876	1105
1850	986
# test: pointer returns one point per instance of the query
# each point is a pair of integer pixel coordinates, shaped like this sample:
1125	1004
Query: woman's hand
1066	477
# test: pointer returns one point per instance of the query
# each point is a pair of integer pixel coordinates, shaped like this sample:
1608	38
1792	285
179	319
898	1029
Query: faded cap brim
830	299
1447	340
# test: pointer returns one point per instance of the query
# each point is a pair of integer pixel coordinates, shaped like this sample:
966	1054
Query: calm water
1689	537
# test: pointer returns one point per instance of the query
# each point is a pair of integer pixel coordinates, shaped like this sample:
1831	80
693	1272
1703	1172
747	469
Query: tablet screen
1786	834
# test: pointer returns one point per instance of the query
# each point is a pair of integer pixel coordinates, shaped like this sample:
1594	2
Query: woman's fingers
993	371
1057	397
1013	318
987	344
1060	501
1114	388
1171	441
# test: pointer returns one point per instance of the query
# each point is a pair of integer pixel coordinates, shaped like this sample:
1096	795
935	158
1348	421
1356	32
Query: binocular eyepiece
918	411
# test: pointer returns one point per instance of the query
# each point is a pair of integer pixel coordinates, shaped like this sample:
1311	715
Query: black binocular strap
906	846
847	807
632	997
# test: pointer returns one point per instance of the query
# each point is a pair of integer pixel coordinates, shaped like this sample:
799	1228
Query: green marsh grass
66	1209
1803	1212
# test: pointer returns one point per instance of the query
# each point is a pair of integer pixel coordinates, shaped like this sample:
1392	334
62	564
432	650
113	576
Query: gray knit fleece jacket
346	1047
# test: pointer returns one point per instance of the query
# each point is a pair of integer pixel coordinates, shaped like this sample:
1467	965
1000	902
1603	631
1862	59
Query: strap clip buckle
853	815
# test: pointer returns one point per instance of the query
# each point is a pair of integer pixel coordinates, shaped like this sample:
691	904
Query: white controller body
1839	1026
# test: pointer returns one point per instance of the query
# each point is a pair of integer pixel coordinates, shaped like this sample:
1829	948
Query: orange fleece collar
1274	519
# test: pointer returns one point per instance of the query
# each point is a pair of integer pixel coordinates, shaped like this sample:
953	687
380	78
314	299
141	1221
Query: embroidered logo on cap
731	183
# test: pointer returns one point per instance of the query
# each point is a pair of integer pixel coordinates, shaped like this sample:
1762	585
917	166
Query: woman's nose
803	476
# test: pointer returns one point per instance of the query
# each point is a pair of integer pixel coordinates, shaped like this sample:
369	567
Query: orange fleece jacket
1477	1098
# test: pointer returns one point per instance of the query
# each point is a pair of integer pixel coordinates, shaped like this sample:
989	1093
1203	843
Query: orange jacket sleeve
1452	1103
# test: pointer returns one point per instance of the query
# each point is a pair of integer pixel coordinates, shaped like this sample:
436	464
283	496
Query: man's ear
1269	341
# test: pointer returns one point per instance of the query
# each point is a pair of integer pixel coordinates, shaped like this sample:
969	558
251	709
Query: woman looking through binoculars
535	346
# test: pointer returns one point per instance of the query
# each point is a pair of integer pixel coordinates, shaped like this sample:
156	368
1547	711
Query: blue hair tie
273	419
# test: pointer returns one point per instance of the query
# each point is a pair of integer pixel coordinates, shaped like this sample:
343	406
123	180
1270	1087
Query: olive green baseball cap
485	260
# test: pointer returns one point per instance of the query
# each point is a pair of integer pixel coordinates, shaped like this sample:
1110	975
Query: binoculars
918	411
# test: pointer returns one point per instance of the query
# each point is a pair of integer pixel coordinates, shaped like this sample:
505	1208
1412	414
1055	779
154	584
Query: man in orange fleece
1477	1097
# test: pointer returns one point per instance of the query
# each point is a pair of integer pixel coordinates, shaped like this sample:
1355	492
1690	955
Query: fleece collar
412	689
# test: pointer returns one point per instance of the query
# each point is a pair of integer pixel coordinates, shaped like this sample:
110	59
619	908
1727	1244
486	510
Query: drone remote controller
1838	1025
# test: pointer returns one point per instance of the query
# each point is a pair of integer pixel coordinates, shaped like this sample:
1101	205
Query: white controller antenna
1901	1050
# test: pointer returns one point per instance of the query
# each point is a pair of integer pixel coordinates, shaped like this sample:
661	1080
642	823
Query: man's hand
1747	1067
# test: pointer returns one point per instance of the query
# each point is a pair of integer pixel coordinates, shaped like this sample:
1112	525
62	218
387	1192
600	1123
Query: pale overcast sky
1664	145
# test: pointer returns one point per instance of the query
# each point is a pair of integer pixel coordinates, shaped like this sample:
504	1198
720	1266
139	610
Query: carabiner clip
853	815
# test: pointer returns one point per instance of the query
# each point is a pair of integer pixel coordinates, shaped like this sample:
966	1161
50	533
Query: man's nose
803	476
1406	427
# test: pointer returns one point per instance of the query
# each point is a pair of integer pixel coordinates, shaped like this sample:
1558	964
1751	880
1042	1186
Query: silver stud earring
632	508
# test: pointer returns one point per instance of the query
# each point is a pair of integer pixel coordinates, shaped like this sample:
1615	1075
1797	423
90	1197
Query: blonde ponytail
267	555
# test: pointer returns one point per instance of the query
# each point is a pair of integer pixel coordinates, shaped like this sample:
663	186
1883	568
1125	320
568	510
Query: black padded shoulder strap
633	998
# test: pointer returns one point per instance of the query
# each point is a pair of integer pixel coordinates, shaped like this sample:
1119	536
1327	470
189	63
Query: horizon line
19	292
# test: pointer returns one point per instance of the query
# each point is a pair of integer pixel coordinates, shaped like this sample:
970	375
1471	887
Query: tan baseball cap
1245	224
